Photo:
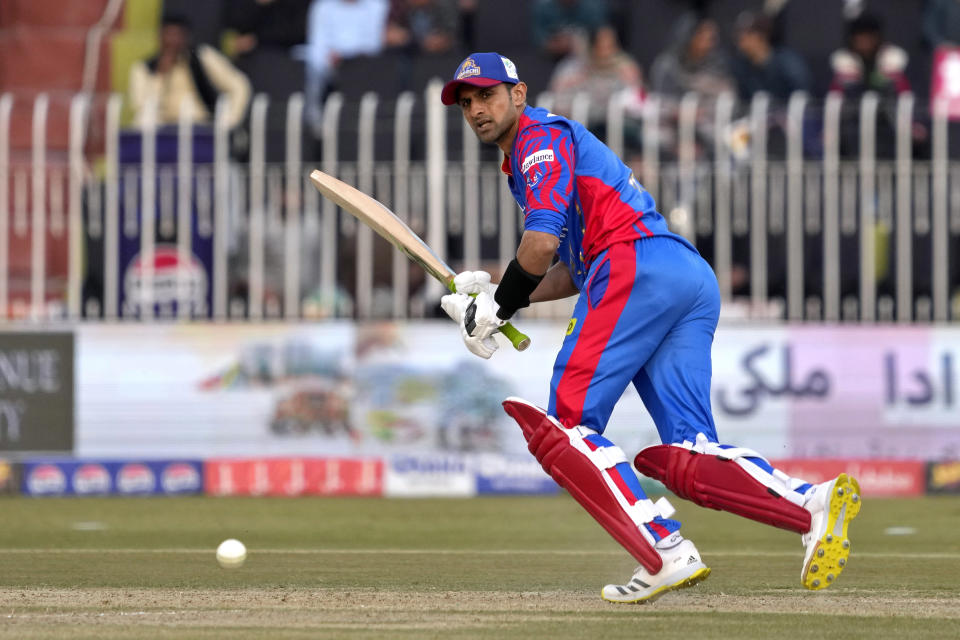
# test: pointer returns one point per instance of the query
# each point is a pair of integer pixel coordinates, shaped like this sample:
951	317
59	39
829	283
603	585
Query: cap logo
467	69
510	68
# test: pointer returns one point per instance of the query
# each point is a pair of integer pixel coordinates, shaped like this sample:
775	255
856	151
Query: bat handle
520	341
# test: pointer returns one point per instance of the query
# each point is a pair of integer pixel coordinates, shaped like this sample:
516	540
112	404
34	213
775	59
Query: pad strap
726	479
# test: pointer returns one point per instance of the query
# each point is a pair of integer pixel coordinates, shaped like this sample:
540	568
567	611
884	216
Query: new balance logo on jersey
545	155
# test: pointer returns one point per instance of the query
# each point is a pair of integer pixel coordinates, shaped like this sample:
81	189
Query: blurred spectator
338	29
941	23
179	71
276	24
555	21
761	66
600	69
695	62
868	63
422	26
468	23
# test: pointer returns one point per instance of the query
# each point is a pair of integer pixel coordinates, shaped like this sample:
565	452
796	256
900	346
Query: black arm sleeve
514	289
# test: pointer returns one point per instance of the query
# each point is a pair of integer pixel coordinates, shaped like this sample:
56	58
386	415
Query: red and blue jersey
573	186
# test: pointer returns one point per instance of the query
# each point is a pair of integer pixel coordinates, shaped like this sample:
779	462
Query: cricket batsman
647	311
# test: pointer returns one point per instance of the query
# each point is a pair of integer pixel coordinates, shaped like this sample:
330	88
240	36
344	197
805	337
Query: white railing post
78	125
795	227
258	144
904	219
940	231
365	160
615	121
868	214
831	206
38	227
723	231
293	207
687	166
328	225
580	107
651	146
471	197
436	178
6	106
544	100
221	199
148	209
111	222
184	296
401	198
758	200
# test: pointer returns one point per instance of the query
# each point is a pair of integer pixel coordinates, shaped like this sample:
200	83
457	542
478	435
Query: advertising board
36	391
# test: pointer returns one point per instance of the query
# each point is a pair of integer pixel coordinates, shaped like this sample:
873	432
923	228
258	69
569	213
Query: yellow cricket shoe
833	505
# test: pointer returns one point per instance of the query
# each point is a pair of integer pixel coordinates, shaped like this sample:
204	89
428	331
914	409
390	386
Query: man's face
750	43
174	39
703	41
866	44
605	45
490	111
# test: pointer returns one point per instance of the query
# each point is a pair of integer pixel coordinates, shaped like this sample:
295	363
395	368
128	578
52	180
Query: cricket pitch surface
519	567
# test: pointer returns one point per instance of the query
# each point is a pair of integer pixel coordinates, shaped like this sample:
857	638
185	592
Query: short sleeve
546	163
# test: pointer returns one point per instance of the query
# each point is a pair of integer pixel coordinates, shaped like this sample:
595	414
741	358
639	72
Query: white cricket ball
231	554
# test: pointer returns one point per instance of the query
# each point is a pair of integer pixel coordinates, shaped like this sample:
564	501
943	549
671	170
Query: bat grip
520	341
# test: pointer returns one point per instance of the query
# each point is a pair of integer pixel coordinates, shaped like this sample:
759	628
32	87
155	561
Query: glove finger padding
455	305
483	347
473	282
480	318
481	343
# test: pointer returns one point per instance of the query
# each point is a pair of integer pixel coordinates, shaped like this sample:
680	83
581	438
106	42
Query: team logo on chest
534	177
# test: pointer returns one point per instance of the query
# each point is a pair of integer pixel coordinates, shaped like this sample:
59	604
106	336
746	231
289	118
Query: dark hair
755	23
865	23
175	20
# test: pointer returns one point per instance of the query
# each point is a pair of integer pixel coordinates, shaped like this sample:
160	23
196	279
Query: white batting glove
477	318
473	282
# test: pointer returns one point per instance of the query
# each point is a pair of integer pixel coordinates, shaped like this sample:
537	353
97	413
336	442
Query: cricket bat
395	231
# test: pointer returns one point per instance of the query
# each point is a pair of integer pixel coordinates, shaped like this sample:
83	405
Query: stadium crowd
569	46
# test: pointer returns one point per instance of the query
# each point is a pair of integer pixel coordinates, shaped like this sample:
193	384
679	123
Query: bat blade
395	231
385	222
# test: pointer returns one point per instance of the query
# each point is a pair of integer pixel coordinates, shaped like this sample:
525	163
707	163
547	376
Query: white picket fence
273	249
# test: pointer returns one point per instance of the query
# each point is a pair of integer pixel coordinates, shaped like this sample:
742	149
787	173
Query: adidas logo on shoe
691	560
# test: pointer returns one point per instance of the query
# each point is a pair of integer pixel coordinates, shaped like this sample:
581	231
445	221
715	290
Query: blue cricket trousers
647	314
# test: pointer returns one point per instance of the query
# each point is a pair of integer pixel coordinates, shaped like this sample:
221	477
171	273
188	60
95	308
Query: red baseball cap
480	70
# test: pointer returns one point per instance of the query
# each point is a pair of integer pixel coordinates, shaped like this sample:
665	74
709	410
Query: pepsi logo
91	478
46	479
179	477
135	478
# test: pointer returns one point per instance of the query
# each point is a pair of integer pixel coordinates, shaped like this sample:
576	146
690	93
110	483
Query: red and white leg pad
586	472
724	479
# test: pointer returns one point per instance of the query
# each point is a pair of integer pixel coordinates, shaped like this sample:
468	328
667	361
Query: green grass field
484	568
